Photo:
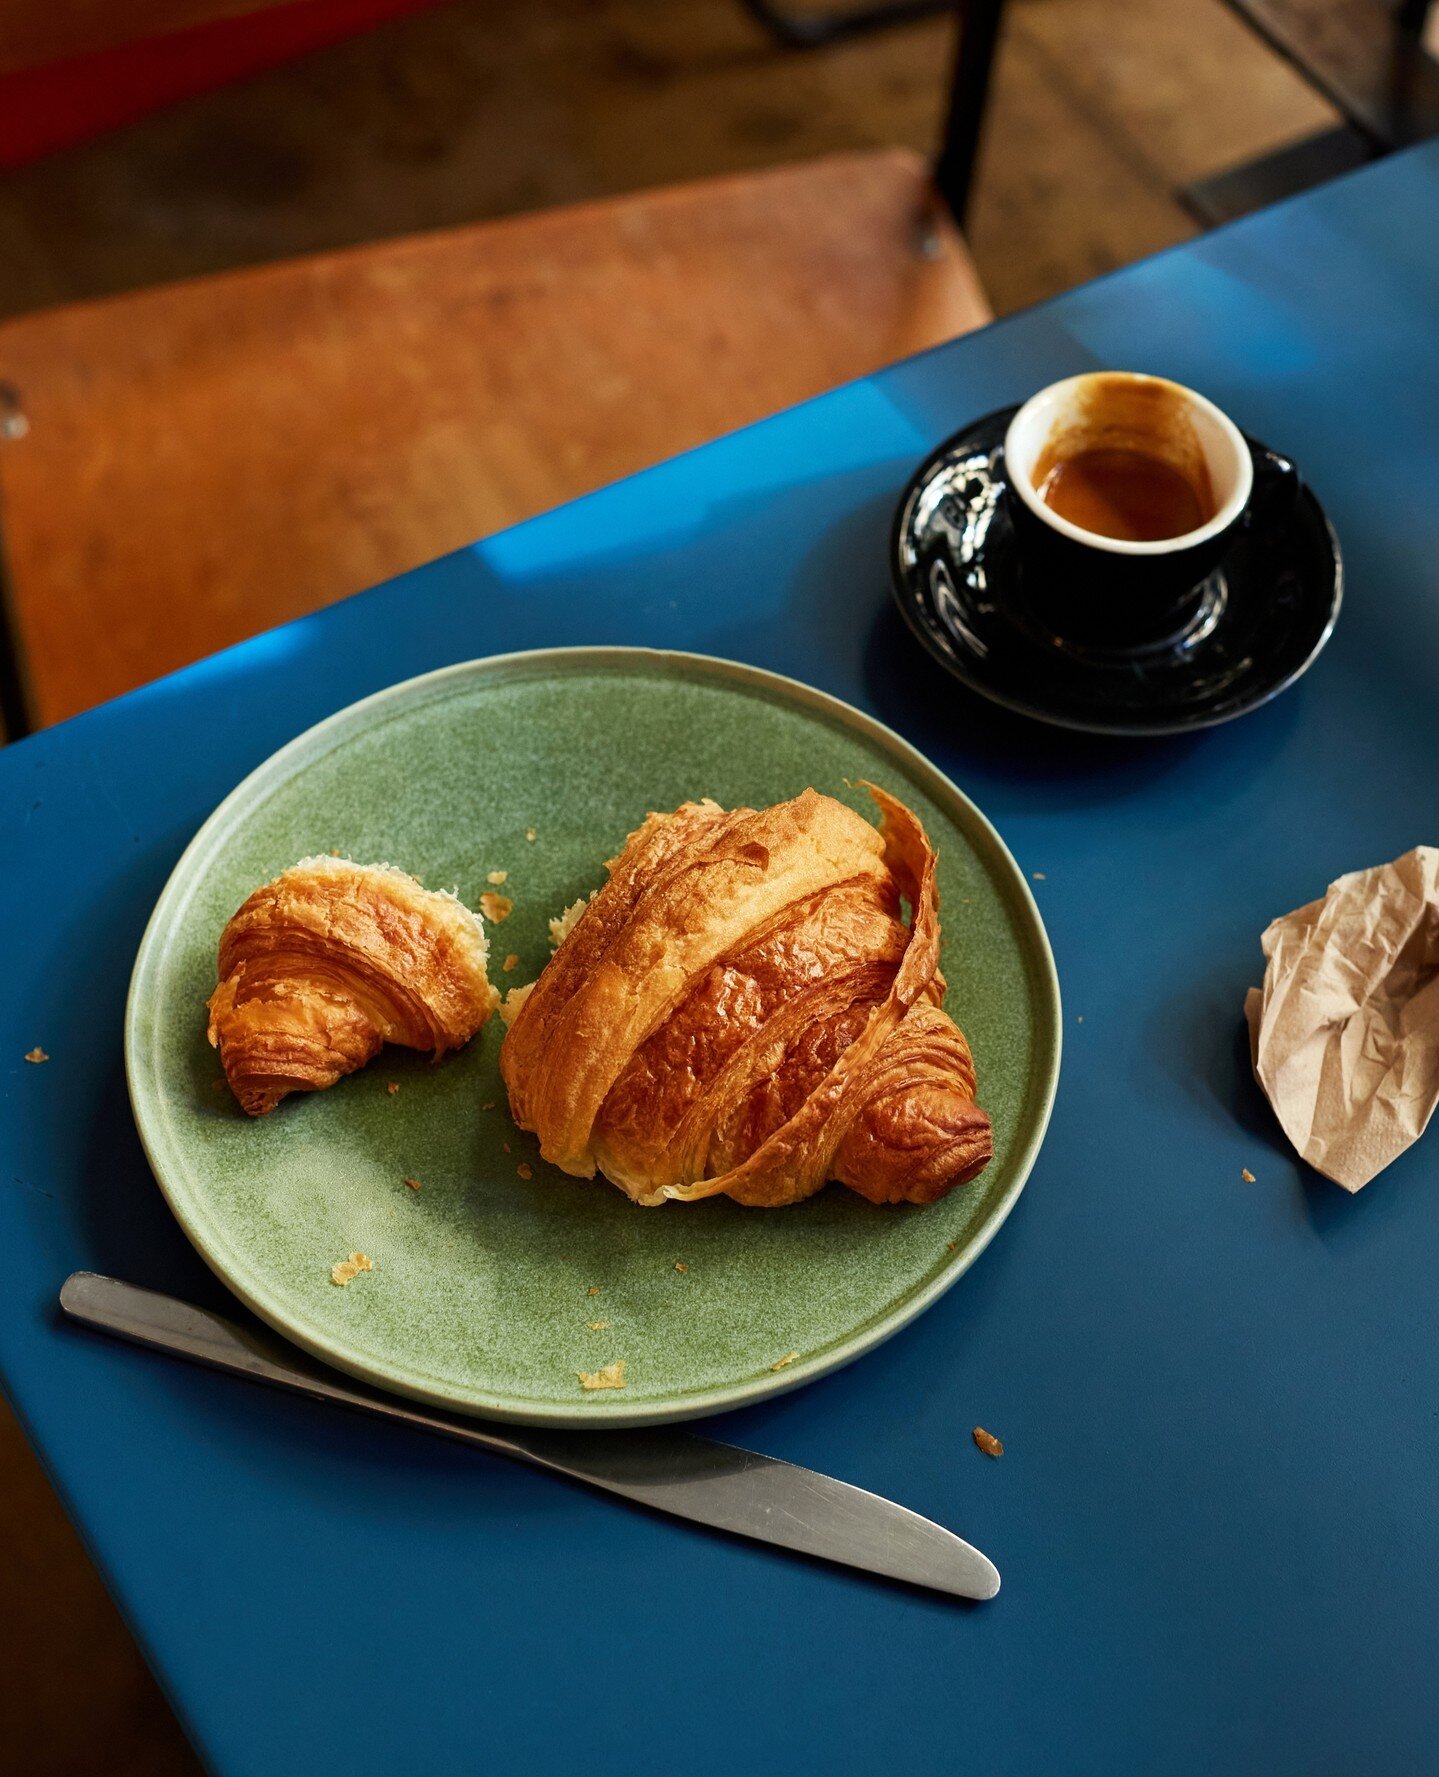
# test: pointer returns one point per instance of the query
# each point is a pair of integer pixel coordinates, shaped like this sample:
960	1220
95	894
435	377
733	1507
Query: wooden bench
190	464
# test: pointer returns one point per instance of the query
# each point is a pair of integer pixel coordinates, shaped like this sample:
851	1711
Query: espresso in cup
1123	491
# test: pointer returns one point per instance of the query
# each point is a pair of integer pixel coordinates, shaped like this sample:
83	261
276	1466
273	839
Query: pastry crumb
510	962
986	1441
414	1184
488	1105
525	1171
392	1087
215	1085
785	1361
951	1246
593	1290
680	1265
1247	1176
1079	1018
598	1326
334	851
36	1055
530	834
496	907
1039	876
561	928
612	1376
506	1146
497	877
344	1269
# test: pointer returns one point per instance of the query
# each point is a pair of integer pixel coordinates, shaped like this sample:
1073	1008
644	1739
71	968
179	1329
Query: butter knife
671	1471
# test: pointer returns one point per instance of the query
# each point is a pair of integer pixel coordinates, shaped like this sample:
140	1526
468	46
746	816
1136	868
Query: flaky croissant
741	1009
330	961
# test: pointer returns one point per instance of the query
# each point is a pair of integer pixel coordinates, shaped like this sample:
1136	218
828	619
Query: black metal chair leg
979	29
15	711
811	30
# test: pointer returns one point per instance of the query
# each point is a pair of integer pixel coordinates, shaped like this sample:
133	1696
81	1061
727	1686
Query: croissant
741	1009
330	961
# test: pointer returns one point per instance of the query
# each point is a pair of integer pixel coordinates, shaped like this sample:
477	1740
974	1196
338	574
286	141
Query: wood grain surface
207	459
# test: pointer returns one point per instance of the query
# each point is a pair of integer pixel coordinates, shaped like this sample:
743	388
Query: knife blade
720	1485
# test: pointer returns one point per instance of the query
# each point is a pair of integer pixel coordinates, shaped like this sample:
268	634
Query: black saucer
1268	609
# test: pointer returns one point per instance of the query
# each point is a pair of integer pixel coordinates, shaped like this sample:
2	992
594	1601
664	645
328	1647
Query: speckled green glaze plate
486	1283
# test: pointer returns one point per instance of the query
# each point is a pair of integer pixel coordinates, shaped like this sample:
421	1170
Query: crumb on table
784	1362
1247	1176
496	907
611	1376
36	1055
497	877
344	1269
987	1442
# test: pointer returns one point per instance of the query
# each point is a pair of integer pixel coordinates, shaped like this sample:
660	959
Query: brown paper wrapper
1345	1030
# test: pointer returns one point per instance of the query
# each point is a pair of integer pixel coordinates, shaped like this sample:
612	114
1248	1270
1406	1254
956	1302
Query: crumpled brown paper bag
1345	1031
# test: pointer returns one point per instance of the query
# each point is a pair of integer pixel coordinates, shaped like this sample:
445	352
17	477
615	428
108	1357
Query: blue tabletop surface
1215	1515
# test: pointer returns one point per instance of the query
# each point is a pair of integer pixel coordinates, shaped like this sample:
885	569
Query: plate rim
899	586
591	1414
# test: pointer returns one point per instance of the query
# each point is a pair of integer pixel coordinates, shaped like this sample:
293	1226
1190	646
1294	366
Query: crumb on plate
36	1055
561	928
488	1105
496	877
598	1326
987	1441
496	907
530	834
680	1265
413	1183
784	1362
612	1376
344	1269
392	1087
510	962
524	1170
593	1290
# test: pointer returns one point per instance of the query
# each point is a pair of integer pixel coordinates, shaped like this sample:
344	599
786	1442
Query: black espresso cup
1123	592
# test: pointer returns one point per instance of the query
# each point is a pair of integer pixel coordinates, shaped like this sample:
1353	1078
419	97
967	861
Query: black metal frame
978	23
811	30
15	708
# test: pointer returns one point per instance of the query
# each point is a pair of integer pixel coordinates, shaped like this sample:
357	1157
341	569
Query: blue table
1216	1513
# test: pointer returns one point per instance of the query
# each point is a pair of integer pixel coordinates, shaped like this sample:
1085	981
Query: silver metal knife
672	1471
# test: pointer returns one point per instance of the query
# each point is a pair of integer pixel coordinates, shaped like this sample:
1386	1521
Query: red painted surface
56	106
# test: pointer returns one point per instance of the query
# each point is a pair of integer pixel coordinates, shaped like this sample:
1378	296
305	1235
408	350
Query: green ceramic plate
485	1284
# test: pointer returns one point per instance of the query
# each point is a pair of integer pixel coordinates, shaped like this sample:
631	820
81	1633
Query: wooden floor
494	106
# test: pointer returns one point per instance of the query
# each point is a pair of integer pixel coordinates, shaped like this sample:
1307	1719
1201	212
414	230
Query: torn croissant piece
332	960
742	1009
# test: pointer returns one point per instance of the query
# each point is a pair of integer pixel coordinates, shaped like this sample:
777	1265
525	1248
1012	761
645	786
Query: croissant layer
324	965
741	1009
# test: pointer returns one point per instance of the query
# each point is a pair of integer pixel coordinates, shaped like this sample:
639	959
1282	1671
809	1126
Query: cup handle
1276	487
